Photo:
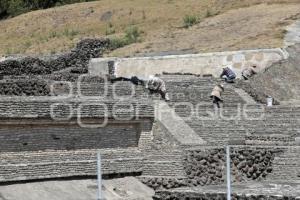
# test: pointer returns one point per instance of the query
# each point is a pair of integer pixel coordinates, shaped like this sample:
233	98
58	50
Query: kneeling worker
155	84
249	72
216	94
228	74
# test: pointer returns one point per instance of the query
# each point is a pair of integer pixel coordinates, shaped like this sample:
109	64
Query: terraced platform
237	120
156	143
252	190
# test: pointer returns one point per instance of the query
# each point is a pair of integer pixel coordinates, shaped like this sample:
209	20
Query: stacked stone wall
207	166
256	167
287	165
208	63
66	137
88	86
16	166
65	109
167	195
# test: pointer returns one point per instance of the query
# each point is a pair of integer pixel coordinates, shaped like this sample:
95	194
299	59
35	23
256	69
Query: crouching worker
249	72
228	75
216	94
157	85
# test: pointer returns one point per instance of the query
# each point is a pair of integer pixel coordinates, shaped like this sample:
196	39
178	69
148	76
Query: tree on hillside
3	8
16	7
11	8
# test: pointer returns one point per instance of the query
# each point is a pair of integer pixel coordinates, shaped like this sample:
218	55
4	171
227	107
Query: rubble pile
65	67
24	87
164	183
77	60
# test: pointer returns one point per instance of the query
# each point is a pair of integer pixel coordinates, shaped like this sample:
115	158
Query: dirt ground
281	80
128	188
224	25
259	26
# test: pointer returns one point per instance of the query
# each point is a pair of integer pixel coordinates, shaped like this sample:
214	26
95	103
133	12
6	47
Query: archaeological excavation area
57	112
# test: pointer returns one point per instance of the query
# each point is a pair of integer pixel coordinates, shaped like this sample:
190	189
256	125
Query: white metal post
228	173
99	177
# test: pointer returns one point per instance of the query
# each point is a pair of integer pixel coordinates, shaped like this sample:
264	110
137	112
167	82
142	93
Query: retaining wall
16	138
208	63
16	166
207	166
292	36
216	194
38	134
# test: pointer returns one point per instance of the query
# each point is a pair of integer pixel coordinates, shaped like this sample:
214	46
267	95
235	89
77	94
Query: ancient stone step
163	164
177	126
55	164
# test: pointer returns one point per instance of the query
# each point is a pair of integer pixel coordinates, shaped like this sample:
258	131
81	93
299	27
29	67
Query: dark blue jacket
228	72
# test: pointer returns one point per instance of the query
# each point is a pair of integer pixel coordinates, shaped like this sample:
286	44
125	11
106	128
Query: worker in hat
216	94
156	85
249	72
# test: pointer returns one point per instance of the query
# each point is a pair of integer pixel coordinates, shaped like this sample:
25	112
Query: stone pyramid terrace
179	144
53	124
